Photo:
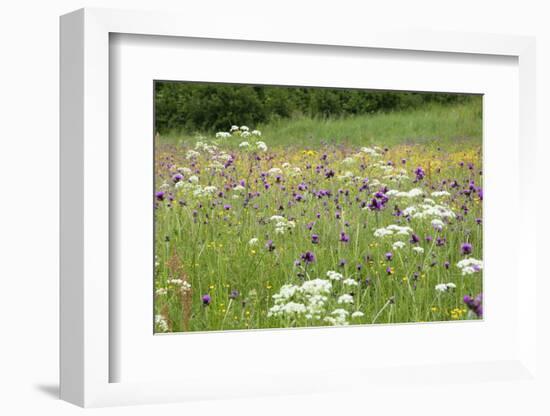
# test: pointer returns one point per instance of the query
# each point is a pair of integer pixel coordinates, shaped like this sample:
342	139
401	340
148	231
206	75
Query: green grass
439	124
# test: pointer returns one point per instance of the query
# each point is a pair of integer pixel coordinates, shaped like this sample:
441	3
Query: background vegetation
188	108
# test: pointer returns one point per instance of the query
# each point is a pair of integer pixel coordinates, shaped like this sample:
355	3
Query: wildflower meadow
260	228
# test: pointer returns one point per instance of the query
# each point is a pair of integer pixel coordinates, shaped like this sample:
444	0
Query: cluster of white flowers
205	147
161	323
332	275
418	250
290	308
370	151
216	165
184	185
192	154
338	318
393	229
315	287
398	245
345	298
413	193
256	133
309	299
201	191
183	285
275	171
184	171
348	161
423	211
470	265
222	135
253	241
282	224
350	282
445	287
259	145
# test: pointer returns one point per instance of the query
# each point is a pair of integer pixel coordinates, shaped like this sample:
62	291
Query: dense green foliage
192	107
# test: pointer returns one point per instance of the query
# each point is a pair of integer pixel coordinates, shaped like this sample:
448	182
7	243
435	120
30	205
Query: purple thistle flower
475	304
446	265
269	245
308	257
338	215
234	294
314	238
389	255
419	172
227	207
414	239
177	177
342	262
206	299
160	195
389	270
344	238
466	248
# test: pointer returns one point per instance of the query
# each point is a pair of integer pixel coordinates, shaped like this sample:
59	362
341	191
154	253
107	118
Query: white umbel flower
332	275
345	299
470	266
445	287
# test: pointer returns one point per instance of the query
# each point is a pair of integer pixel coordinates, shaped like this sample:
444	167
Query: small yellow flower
433	309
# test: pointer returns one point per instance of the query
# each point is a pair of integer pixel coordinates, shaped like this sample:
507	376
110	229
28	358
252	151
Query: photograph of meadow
284	207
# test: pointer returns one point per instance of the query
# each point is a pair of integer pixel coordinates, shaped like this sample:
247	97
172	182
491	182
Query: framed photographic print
334	213
245	215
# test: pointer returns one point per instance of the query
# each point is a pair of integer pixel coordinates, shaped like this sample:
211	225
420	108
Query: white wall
29	56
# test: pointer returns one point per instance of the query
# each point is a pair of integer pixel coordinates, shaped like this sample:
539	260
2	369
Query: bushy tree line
203	107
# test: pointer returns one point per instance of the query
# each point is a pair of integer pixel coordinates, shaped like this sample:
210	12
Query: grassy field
370	219
449	125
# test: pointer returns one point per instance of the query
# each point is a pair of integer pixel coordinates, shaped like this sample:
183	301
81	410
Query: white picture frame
86	356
